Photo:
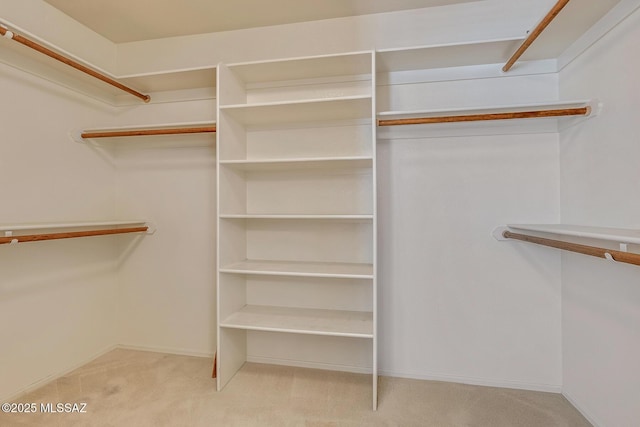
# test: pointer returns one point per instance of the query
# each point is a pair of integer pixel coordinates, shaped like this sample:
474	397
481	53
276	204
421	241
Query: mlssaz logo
67	408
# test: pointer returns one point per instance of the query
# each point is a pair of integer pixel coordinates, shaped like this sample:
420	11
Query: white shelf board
172	80
353	64
301	163
620	235
486	109
572	22
69	225
192	139
37	64
445	56
299	216
151	126
340	323
301	269
485	127
301	111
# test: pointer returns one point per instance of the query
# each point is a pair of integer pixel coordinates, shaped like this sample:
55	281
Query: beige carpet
138	389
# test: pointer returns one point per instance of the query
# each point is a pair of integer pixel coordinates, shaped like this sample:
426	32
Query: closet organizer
296	184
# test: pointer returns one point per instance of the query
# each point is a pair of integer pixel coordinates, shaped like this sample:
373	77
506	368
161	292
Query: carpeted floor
138	389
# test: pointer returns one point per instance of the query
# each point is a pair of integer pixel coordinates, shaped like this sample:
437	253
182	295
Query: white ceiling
124	21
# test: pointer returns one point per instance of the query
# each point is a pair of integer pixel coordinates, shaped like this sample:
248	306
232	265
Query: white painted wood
296	214
614	17
485	109
300	163
315	67
157	141
194	78
374	185
338	323
446	55
574	20
314	217
485	127
49	69
301	269
311	110
151	126
69	225
620	235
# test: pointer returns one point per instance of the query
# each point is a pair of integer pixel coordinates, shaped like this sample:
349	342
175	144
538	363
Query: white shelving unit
297	214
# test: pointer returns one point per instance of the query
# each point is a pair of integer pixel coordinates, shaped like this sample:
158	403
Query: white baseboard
547	388
166	350
53	377
593	420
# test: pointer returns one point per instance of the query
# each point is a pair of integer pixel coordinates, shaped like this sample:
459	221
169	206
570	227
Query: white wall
167	284
45	23
600	183
57	299
455	304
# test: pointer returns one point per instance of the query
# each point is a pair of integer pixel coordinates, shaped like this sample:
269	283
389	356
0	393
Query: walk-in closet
362	213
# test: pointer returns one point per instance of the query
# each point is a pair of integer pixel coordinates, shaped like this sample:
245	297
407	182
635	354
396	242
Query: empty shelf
71	225
303	68
301	269
356	324
298	216
304	111
301	163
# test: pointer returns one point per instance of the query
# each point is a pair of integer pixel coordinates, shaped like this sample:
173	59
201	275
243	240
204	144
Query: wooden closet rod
626	257
581	111
555	10
143	132
70	235
70	62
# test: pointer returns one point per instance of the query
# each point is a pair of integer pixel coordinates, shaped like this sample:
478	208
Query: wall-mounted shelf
446	55
619	235
193	83
178	80
549	117
623	237
125	133
18	233
571	23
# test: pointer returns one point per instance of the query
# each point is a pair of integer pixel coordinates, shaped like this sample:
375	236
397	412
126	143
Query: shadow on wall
32	267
